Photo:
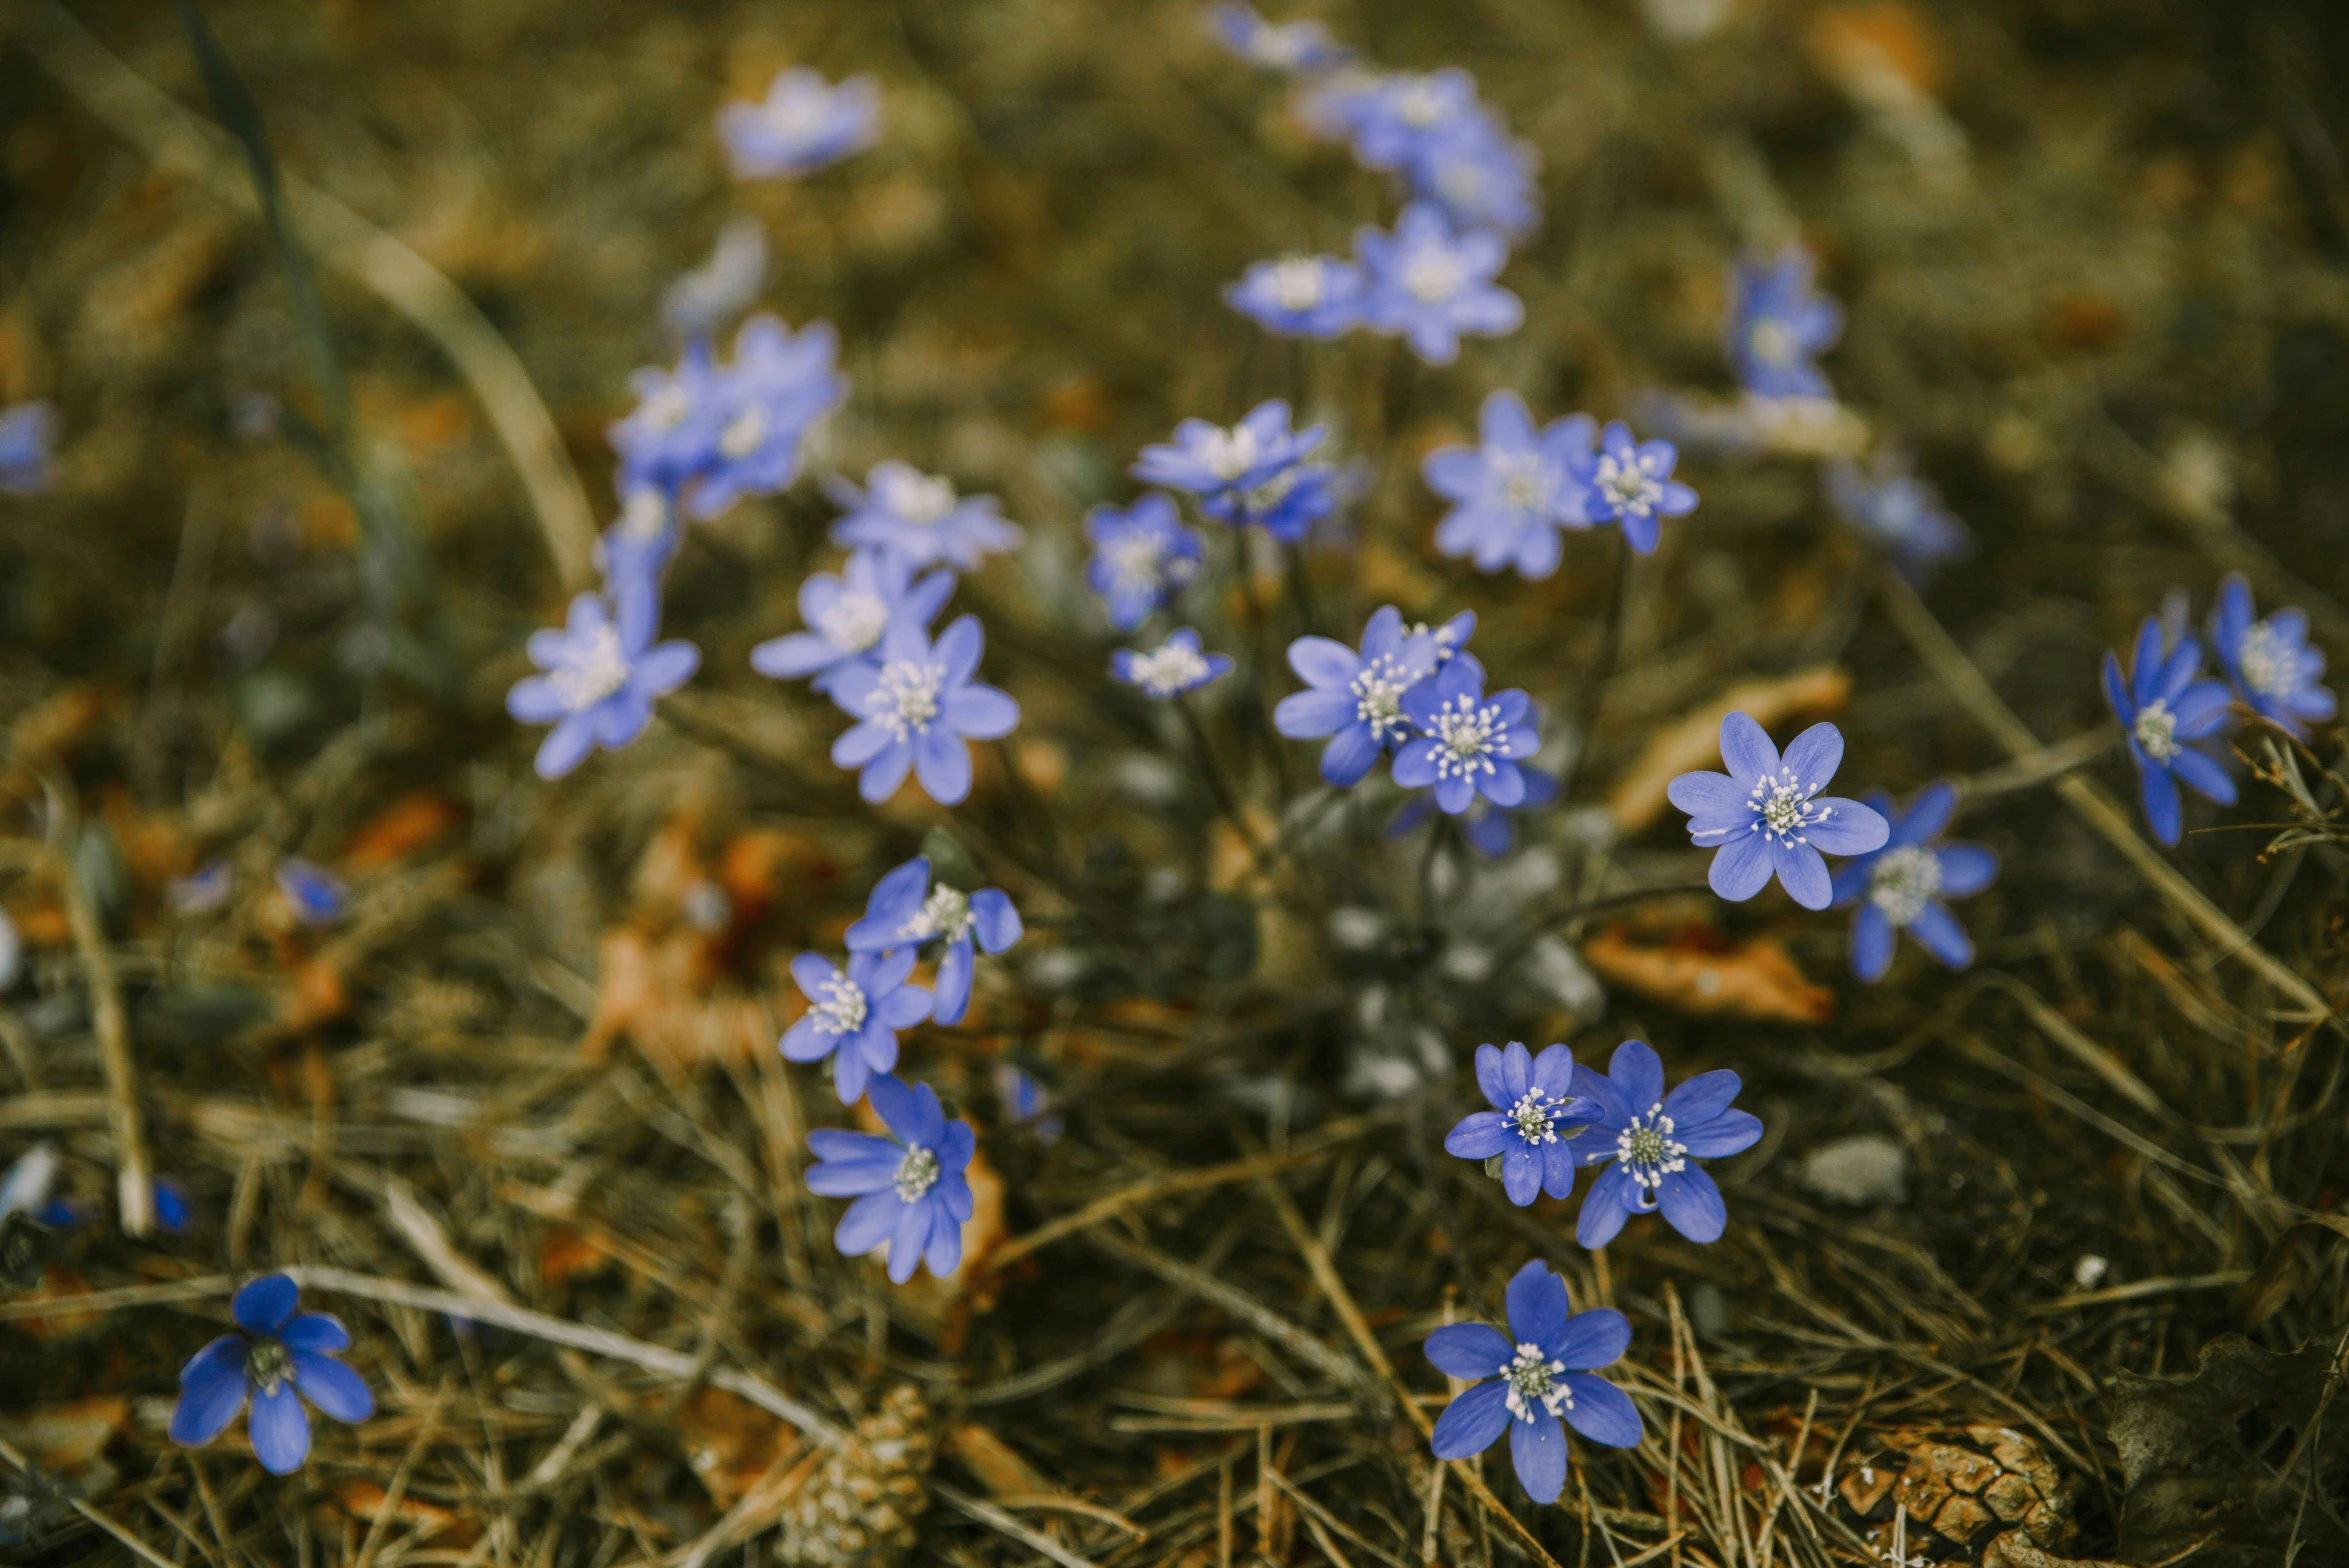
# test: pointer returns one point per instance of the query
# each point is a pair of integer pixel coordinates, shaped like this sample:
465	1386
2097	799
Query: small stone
1861	1171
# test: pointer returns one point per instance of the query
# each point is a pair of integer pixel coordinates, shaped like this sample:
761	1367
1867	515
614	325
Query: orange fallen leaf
413	822
1852	40
364	1500
1694	740
1698	973
66	1437
566	1254
731	1443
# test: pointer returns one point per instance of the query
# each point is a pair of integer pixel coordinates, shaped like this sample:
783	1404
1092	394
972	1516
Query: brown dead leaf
660	993
1693	741
1848	40
363	1501
1696	972
999	1467
568	1253
66	1437
732	1443
415	821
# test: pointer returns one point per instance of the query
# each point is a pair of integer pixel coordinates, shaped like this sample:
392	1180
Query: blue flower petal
263	1305
1469	1350
332	1387
1596	1338
1637	1073
1479	1136
1602	1412
1538	1449
1537	1304
1471	1422
211	1390
1942	936
1700	1099
319	1331
280	1430
1692	1204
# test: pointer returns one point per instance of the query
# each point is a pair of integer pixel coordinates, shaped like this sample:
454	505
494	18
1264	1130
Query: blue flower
1218	465
203	891
1767	816
2270	663
637	548
601	676
1489	829
699	300
1901	886
1401	114
803	124
2163	707
1026	1102
668	438
915	707
1514	492
27	432
1275	46
1651	1136
853	1015
847	614
1777	325
280	1351
760	407
1532	1099
1632	484
1467	746
911	1194
1285	506
1528	1378
1174	667
920	517
1142	556
1356	697
1901	514
905	911
1300	296
314	894
1430	284
1480	177
168	1199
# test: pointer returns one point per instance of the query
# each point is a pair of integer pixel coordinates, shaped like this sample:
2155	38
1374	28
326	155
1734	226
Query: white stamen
1772	341
1227	454
667	408
945	913
839	1006
1297	283
854	621
1782	807
1629	486
2266	661
1171	669
916	1174
746	432
1378	689
906	700
1468	736
1533	1379
1535	1117
1647	1149
1903	881
2156	730
1432	274
1524	482
920	499
592	669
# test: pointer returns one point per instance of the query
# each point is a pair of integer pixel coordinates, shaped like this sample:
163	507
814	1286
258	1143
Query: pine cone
861	1505
1961	1490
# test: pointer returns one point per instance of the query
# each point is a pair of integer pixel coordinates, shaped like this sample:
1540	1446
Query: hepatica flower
1274	46
27	432
1142	557
1901	886
846	615
1174	667
602	673
904	910
2165	707
1533	1113
1529	1380
1899	513
1300	296
853	1015
911	1194
637	548
1768	817
1468	745
920	517
801	125
916	707
761	406
1480	177
1650	1137
1220	465
1631	483
1429	284
668	437
2270	664
1490	830
1777	325
1397	118
316	895
1026	1102
1356	697
1514	491
279	1352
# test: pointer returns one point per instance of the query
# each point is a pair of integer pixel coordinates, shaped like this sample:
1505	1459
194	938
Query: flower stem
1219	783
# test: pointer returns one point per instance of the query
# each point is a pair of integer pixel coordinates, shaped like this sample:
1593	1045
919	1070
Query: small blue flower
1490	830
168	1198
1274	46
1300	296
1651	1136
27	432
203	891
1174	667
2271	665
1767	816
1356	697
911	1194
1533	1109
1142	557
905	911
1285	506
1515	491
1217	465
1398	117
1480	177
1530	1377
1026	1102
316	895
637	548
1901	886
915	707
853	1015
280	1351
601	676
1429	284
1777	325
921	518
801	125
1901	514
668	438
1632	484
847	615
2164	706
700	300
1467	745
761	406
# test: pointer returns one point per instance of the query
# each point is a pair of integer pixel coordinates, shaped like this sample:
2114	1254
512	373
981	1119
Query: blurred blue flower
1300	296
910	1190
203	891
801	125
316	895
1285	506
1218	465
279	1351
1026	1102
1449	638
1533	1109
1631	483
2271	665
1901	514
847	614
1513	492
1401	114
1480	176
1356	698
1275	46
1429	284
761	406
1174	667
2164	706
700	300
1767	816
27	432
853	1015
1777	325
920	517
915	705
1526	1379
1490	830
637	548
169	1200
1142	557
602	673
1651	1136
1901	886
668	438
1467	746
904	910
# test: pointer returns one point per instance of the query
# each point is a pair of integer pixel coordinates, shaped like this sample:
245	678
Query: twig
996	1519
1198	1282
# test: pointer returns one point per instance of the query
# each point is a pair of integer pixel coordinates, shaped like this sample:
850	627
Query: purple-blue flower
1490	830
2270	664
1401	114
915	707
1777	325
2164	707
904	910
316	895
637	548
279	1351
1513	492
1275	46
1902	514
602	673
920	517
1174	667
1285	506
668	438
27	432
1142	557
1651	1136
759	408
1026	1102
1533	1113
1429	284
1216	464
1530	1377
1479	175
1356	697
1300	296
1901	886
801	125
1767	816
911	1194
846	615
853	1015
1468	744
1631	483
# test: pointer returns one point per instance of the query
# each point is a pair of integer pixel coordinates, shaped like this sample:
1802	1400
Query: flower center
1533	1380
1169	670
666	409
1524	485
840	1006
799	116
920	499
1447	641
916	1174
1782	807
1628	486
2156	730
1378	689
854	621
1467	734
1266	497
945	913
1227	454
593	668
906	700
269	1364
746	432
1433	275
1903	881
1419	105
1135	560
1459	180
1772	341
1297	283
644	516
1535	1116
2268	665
1647	1148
